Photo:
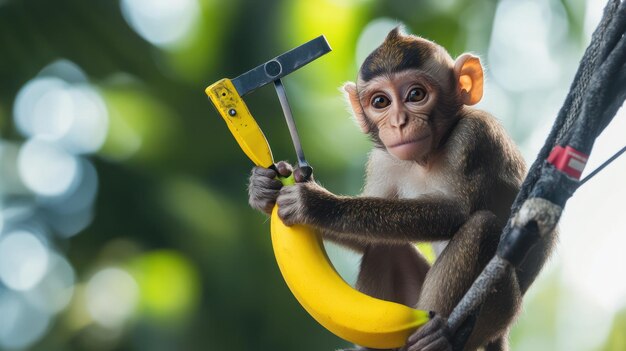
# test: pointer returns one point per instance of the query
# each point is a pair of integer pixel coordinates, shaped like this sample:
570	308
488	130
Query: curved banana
337	306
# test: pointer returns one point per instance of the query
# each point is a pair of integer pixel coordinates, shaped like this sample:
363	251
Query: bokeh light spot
75	115
52	113
514	46
66	70
71	213
111	296
23	260
46	168
90	120
42	108
168	284
21	324
161	22
55	290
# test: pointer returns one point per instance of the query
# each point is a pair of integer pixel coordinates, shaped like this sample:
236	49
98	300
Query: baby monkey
439	171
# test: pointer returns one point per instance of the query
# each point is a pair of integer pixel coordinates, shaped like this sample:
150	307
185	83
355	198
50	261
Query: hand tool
227	95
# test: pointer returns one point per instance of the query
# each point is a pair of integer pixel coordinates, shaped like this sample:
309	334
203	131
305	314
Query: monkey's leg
393	272
468	252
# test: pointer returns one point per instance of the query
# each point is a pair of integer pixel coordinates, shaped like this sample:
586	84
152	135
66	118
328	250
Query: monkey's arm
428	218
263	190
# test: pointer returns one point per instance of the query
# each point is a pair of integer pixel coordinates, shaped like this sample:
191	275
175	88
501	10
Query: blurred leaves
617	336
172	202
200	210
168	285
544	303
141	127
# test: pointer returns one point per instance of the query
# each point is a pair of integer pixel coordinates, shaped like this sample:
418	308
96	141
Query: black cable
602	166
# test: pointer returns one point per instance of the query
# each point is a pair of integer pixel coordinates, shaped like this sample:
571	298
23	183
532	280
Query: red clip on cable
568	160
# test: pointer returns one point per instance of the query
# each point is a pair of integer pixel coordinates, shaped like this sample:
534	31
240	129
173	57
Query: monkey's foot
433	336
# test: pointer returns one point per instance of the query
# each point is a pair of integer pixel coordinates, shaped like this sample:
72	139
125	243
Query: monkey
440	171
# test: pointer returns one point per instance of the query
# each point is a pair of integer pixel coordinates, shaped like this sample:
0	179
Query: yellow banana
333	303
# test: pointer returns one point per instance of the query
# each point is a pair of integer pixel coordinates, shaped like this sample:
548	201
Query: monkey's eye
416	95
380	101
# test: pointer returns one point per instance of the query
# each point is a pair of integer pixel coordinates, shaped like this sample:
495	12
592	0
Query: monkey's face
400	105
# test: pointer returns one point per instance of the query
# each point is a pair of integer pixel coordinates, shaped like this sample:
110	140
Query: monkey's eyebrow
370	88
367	91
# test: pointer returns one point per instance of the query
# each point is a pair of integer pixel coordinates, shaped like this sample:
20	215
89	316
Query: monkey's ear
353	98
469	75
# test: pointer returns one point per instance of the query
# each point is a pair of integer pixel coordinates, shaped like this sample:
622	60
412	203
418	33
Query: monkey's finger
288	206
263	172
264	183
268	206
428	340
435	323
441	344
287	196
285	213
261	194
284	168
303	174
265	206
263	199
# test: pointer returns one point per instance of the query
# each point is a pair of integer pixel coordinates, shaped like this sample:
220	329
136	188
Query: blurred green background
124	222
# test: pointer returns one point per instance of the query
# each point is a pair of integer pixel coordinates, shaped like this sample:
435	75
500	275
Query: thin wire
602	166
291	124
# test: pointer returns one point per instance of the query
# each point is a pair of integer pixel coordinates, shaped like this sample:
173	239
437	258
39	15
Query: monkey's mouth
411	141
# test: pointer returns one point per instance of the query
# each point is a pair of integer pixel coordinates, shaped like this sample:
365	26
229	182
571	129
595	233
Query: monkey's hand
297	203
263	186
433	336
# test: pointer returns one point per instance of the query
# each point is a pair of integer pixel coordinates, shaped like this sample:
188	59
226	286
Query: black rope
619	94
597	92
603	40
571	106
582	136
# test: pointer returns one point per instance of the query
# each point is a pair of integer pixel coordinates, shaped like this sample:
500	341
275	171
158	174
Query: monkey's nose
399	120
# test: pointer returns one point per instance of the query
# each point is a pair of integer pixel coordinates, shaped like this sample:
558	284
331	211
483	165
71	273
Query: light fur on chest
392	178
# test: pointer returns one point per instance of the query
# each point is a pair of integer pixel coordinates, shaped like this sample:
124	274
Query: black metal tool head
281	65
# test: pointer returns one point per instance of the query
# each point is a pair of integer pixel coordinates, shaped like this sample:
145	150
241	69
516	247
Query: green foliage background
180	198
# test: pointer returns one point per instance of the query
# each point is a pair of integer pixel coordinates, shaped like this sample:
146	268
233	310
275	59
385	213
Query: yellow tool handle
240	122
